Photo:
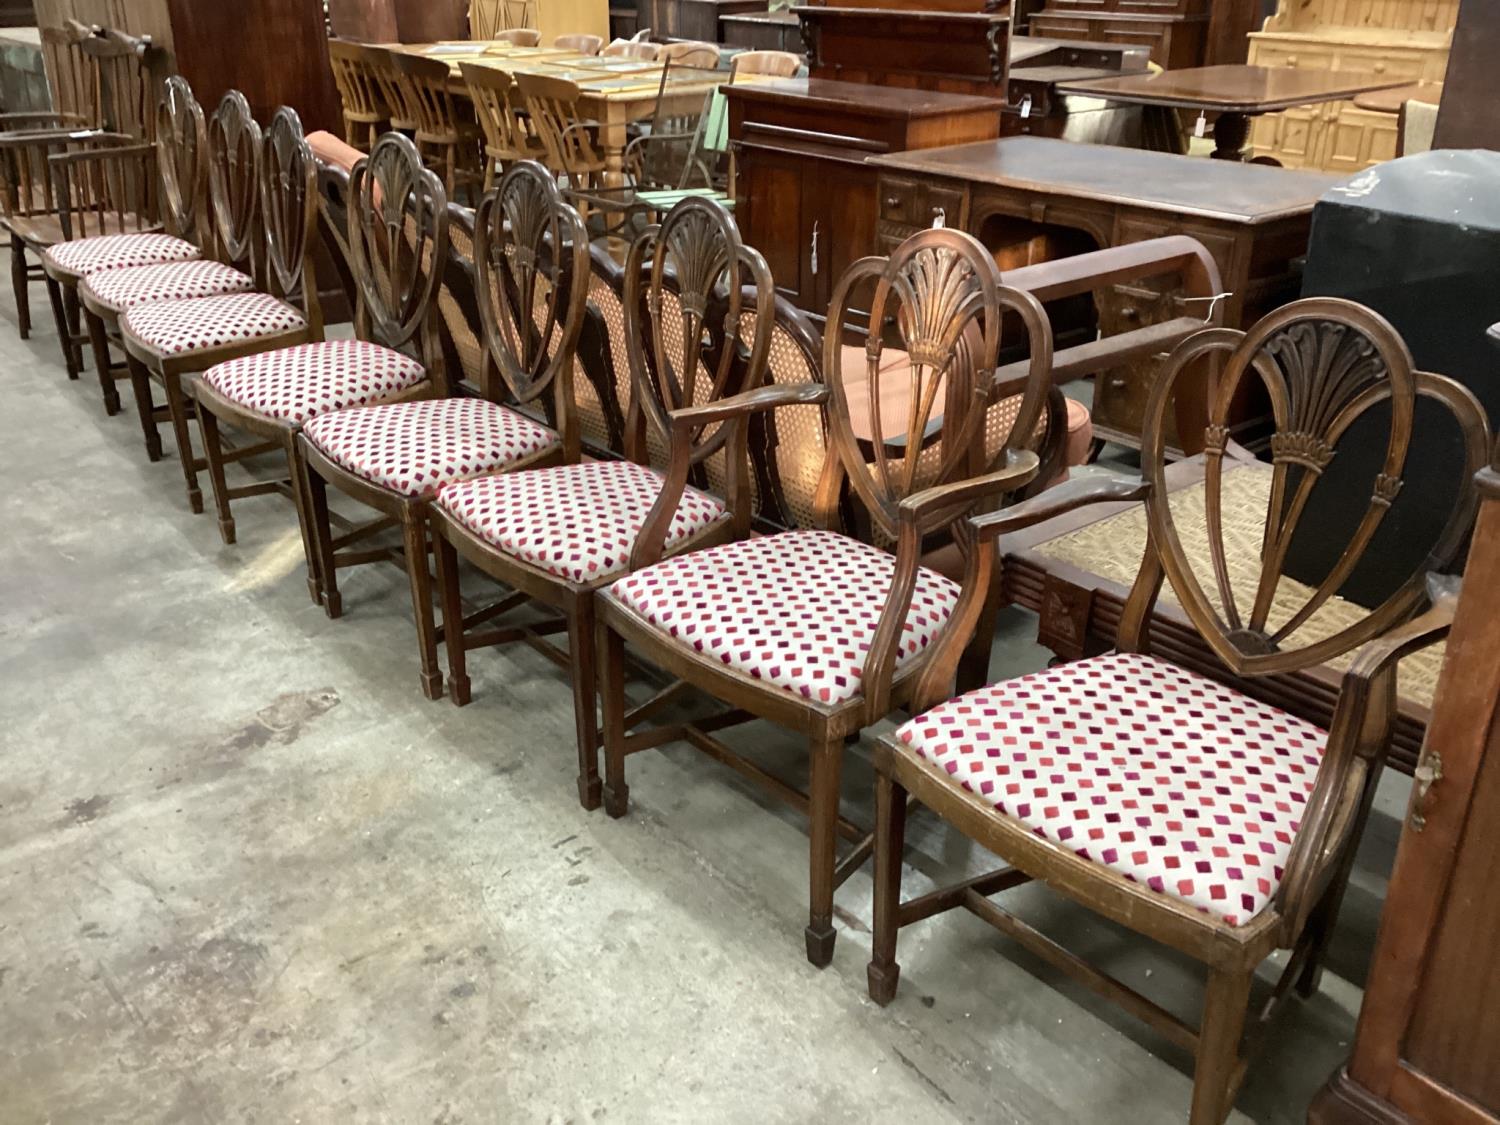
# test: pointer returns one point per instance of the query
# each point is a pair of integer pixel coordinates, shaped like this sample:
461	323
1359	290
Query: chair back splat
398	248
182	155
289	206
234	183
686	281
531	258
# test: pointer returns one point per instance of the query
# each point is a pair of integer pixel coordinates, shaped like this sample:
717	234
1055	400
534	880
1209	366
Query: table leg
1231	131
612	140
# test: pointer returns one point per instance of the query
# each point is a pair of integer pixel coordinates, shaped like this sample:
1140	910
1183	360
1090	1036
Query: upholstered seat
1173	780
119	289
83	256
180	327
797	609
297	384
414	448
578	522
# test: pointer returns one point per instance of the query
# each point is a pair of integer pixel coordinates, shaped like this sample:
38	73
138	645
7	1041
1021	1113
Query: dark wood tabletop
1391	100
856	97
1232	89
1158	181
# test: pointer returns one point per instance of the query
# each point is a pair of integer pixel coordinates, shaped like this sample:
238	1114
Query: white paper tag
939	218
1200	126
1025	107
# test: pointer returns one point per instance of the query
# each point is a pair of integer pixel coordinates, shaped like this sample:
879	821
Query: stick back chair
166	340
520	36
776	64
817	630
508	134
569	138
398	111
397	229
1166	801
558	535
364	107
583	44
227	235
446	133
396	458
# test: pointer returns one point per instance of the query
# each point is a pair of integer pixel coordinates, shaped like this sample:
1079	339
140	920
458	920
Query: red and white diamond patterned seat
414	448
578	522
299	383
83	256
797	609
120	289
180	327
1168	778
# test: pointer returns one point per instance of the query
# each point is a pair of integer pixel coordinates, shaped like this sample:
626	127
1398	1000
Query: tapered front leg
140	388
99	343
823	807
612	688
21	286
322	533
177	410
890	845
301	499
581	648
1218	1053
414	538
453	619
213	452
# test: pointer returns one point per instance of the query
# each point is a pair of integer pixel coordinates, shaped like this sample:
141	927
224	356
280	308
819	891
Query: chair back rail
498	104
531	256
398	243
425	92
359	90
553	106
289	210
382	64
234	151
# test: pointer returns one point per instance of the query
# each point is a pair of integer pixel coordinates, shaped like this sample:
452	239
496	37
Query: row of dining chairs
666	455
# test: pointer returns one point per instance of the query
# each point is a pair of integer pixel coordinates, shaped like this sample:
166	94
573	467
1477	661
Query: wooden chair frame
364	107
382	64
523	233
444	132
508	133
285	174
568	138
1325	363
694	260
935	287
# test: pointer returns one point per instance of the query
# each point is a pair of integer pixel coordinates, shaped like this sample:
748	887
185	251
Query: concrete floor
249	875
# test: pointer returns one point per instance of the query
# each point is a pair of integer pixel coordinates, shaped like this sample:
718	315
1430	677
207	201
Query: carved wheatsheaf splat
182	153
288	185
1324	363
233	176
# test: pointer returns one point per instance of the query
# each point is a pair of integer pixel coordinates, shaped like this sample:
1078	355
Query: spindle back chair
364	108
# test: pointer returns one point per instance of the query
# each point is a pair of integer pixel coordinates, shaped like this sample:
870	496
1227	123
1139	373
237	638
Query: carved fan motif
398	238
288	196
181	150
234	157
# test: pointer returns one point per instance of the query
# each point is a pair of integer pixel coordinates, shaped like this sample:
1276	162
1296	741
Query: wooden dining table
616	91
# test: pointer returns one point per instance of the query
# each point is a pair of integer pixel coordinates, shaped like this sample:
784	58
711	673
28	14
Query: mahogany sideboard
804	196
1034	198
1427	1048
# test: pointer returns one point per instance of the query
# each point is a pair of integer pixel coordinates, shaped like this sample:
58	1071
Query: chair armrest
1021	467
42	119
33	138
105	152
1064	498
1425	629
746	403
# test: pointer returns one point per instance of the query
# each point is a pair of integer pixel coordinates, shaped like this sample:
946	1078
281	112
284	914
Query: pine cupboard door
1428	1044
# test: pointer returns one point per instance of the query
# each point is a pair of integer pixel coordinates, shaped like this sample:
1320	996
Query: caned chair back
776	64
388	80
183	156
629	49
583	44
938	306
498	104
1331	368
531	257
398	244
234	147
705	55
602	396
553	106
424	88
359	90
520	36
289	210
689	281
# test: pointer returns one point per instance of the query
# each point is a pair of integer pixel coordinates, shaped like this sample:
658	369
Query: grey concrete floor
247	874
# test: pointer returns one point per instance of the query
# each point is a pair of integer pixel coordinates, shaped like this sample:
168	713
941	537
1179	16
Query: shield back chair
169	339
529	258
228	261
446	133
558	535
359	92
508	135
382	64
812	629
394	356
1168	802
583	44
775	64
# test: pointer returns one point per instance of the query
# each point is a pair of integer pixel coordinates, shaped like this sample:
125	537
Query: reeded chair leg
823	810
213	453
322	536
177	410
1224	1008
140	387
20	284
582	647
611	650
414	540
890	844
453	620
99	345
